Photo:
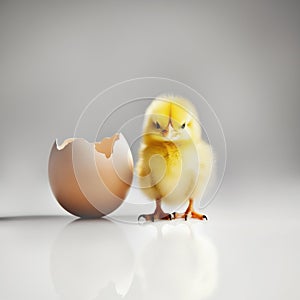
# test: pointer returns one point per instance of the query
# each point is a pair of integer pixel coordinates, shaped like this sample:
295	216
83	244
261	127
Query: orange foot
158	214
155	216
190	212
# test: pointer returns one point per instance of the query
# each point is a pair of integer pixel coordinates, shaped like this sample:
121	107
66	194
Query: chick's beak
165	132
169	133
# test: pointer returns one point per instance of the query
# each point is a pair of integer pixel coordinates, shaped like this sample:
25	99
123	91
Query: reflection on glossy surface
90	257
178	264
93	259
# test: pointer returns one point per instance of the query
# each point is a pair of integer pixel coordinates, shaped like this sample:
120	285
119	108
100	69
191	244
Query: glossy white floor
247	250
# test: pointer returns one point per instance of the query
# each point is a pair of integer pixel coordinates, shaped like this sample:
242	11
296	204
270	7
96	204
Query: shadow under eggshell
84	177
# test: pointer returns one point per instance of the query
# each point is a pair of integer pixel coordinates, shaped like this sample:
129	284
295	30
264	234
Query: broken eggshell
91	179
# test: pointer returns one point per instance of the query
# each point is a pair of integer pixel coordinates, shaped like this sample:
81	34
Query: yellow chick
174	163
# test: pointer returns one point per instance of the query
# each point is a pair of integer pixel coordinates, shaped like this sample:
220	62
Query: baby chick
174	163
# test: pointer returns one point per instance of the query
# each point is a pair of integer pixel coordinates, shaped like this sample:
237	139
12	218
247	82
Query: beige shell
91	179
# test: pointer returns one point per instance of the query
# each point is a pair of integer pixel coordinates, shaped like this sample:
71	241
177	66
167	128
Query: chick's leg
158	214
190	212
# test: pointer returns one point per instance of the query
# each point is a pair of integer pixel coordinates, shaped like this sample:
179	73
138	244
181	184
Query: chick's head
170	118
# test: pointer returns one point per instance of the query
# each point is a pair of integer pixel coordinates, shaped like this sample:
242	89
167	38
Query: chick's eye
157	125
183	126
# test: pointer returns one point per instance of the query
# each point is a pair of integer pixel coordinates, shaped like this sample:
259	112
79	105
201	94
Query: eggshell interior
91	179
